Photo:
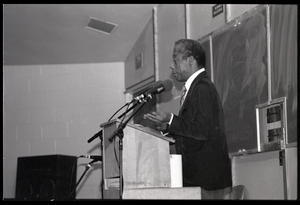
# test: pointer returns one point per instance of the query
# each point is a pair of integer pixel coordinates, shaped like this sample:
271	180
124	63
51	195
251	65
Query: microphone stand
100	133
87	167
119	132
133	106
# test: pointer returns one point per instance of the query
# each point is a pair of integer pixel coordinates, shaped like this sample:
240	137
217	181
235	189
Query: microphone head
160	86
156	84
168	85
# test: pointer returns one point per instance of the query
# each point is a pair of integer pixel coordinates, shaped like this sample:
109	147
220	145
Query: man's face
179	67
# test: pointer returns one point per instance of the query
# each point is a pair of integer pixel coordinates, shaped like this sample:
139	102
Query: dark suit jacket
200	138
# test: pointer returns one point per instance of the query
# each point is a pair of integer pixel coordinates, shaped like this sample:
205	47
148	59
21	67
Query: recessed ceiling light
101	26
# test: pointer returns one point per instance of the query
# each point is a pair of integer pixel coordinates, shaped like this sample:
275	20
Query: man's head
188	57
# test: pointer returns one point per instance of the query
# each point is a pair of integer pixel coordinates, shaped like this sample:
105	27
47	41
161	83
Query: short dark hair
189	47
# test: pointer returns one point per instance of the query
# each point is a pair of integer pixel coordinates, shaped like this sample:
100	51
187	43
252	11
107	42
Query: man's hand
158	117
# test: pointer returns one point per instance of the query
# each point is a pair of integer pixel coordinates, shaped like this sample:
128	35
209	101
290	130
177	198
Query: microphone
95	157
156	88
160	87
98	134
142	96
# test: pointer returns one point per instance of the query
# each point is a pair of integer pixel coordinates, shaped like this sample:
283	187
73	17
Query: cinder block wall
54	109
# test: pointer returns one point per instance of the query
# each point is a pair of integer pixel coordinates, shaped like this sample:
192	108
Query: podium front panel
146	160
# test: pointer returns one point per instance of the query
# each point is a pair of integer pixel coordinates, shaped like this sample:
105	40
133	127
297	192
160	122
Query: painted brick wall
54	109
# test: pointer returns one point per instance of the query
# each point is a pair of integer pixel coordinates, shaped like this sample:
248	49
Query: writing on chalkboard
240	76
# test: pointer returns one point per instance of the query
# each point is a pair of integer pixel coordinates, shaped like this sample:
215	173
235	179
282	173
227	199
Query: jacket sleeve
196	116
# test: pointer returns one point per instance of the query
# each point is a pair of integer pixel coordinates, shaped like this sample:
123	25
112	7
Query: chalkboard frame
283	52
241	122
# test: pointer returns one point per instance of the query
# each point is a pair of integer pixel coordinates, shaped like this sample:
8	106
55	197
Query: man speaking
199	127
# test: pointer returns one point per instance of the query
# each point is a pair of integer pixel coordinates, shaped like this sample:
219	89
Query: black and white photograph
113	102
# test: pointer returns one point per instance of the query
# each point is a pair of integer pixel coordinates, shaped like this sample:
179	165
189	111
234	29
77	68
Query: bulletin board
240	75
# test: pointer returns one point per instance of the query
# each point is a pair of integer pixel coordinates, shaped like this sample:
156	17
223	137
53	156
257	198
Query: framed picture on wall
139	61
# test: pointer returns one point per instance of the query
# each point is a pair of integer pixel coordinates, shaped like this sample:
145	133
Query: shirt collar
190	80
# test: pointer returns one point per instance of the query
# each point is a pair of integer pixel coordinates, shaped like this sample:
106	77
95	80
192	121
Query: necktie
182	95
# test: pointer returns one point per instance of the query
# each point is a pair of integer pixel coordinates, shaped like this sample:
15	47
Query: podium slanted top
141	128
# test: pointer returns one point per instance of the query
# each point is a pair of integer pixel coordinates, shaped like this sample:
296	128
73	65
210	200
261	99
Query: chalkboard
240	75
283	22
206	45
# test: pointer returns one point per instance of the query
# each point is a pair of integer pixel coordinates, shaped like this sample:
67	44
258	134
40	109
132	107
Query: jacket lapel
190	91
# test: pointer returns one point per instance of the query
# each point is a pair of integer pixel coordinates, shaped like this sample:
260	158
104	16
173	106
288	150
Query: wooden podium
145	162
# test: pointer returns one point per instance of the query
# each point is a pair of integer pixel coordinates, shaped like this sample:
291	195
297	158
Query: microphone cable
127	104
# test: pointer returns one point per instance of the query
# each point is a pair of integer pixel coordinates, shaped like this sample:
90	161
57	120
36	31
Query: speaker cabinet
46	178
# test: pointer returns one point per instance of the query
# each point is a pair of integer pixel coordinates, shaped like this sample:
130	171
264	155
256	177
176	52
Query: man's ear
191	60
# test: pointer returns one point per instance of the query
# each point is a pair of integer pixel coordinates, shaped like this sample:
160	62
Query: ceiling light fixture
101	26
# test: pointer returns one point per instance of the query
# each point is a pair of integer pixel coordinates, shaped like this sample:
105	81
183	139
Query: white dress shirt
190	80
187	85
